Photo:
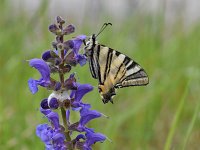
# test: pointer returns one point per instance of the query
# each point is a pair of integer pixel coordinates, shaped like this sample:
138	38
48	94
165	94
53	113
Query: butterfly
112	69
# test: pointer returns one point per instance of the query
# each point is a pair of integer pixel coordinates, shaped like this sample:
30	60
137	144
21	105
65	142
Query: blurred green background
162	115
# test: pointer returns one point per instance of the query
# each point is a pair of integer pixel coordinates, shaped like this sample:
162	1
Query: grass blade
175	120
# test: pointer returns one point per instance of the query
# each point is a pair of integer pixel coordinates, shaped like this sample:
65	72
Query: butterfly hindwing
134	76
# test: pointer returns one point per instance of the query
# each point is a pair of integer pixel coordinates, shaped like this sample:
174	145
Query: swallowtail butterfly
112	69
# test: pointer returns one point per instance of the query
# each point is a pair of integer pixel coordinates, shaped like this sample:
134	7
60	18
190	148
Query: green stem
61	75
63	113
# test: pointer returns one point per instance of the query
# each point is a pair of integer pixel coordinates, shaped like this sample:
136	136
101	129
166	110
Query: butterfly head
106	95
91	42
92	39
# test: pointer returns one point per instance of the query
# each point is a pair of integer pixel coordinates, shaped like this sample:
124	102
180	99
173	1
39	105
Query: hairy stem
63	112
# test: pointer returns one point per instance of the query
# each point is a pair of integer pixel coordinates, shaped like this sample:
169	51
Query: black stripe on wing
108	63
125	62
136	79
134	76
92	64
98	68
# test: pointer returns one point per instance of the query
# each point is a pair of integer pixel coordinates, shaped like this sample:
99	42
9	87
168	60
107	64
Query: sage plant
66	94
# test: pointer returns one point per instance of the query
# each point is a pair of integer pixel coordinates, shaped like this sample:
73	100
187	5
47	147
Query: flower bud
68	44
66	68
60	20
44	104
70	83
70	59
53	103
54	44
59	39
68	30
57	86
46	55
55	29
52	57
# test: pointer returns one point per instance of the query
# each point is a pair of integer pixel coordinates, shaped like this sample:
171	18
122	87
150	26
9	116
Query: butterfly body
112	69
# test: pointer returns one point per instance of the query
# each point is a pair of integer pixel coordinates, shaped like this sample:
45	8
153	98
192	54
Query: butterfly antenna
103	27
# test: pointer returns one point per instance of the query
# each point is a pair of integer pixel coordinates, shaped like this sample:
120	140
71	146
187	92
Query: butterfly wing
134	76
92	63
112	69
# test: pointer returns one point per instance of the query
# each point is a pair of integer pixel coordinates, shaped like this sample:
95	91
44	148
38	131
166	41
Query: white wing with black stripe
112	69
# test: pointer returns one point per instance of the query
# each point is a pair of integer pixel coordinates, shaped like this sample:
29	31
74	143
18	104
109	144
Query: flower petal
81	59
54	119
81	37
45	111
45	133
87	115
32	85
42	67
78	42
58	138
93	137
67	116
82	90
80	136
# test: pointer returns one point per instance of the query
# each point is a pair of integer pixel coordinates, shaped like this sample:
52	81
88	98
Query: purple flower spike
86	116
44	70
54	66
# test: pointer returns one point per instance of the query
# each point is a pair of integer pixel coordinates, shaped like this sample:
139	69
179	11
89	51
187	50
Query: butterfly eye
88	43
